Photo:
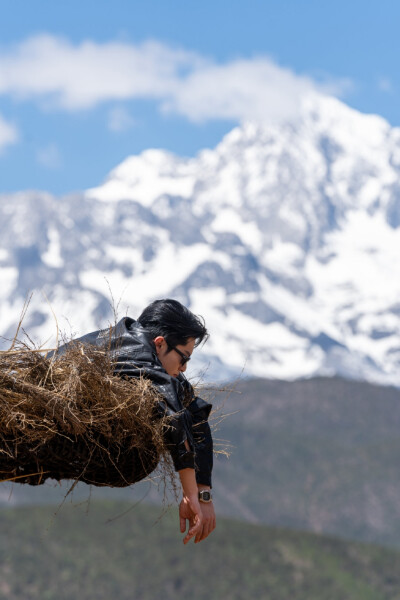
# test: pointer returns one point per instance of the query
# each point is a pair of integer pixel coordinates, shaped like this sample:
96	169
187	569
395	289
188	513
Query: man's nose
182	368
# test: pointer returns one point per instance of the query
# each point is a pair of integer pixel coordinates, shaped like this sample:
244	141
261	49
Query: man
158	346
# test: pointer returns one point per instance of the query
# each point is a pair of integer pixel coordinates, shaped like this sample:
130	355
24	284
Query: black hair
176	323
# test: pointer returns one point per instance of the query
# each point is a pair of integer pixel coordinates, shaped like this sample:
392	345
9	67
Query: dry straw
70	418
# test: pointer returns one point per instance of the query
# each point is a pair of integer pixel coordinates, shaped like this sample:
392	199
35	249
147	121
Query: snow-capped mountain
286	239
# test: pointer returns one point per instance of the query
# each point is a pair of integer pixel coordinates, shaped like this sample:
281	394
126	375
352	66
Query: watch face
205	496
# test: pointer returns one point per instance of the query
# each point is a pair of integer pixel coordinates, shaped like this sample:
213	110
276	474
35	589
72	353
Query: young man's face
171	360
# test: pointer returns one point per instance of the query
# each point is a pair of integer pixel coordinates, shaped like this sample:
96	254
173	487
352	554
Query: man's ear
158	342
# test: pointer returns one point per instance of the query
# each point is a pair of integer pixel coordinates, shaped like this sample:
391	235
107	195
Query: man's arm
203	446
203	443
189	508
201	515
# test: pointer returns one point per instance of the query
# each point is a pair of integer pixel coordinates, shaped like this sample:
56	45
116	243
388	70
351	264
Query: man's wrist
188	482
202	486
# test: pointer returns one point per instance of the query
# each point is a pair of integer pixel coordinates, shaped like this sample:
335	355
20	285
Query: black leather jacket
135	355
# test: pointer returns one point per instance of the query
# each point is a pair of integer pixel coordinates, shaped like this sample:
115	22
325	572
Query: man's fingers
196	525
205	532
201	535
200	527
189	536
194	529
183	524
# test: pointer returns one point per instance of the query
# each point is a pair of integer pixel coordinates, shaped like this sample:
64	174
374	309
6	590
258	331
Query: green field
320	455
80	554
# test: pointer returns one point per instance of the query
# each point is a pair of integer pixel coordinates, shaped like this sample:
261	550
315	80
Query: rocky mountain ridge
286	239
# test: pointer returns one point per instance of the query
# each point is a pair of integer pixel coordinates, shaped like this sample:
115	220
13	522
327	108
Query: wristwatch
205	496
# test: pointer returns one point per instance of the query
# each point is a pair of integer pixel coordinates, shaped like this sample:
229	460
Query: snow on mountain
286	239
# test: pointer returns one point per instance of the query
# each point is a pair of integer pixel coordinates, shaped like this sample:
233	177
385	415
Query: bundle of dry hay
71	418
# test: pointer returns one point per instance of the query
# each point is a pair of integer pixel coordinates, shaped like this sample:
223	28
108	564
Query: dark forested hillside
320	455
81	554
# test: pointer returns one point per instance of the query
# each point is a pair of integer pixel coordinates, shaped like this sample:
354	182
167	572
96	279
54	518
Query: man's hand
208	523
189	509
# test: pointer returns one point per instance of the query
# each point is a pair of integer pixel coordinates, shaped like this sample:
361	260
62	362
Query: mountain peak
285	238
145	177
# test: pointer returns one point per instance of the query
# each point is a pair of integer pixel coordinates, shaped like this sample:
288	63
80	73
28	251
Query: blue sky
85	84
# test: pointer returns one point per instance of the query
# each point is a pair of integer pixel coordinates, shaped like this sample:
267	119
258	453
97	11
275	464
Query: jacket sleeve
179	431
202	438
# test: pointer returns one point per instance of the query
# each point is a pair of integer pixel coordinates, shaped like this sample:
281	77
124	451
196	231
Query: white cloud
8	133
244	89
75	77
385	85
49	156
120	120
